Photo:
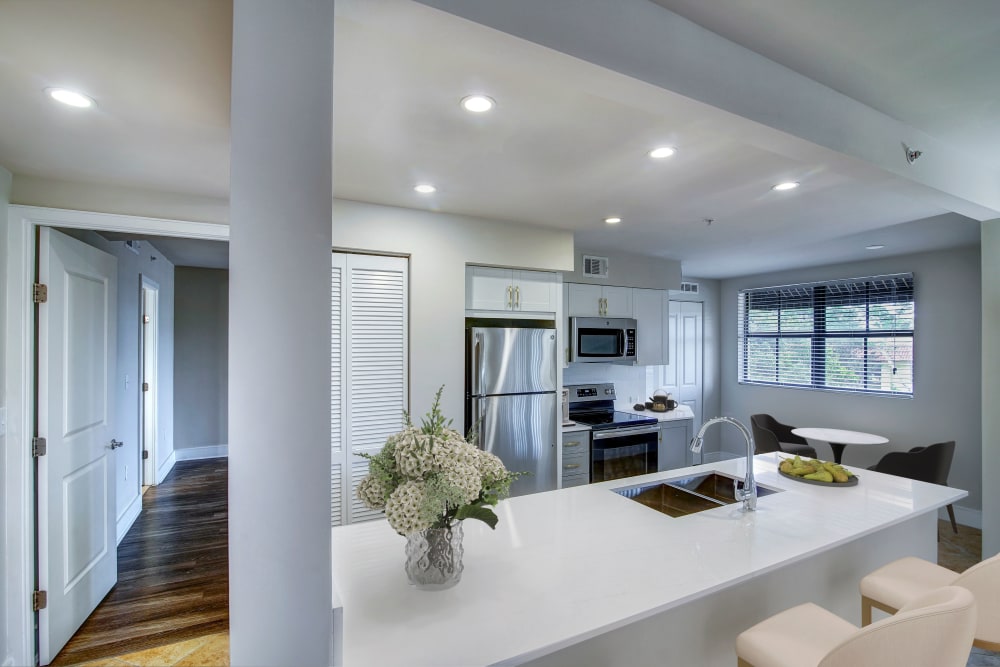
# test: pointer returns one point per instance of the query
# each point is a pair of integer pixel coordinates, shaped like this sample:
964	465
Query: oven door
623	452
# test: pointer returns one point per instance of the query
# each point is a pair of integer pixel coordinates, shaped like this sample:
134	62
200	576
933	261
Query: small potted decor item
428	480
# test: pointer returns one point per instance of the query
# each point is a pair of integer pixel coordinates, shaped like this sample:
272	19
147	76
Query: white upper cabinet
651	313
510	290
584	300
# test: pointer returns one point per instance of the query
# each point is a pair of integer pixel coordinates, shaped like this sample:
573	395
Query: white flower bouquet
432	477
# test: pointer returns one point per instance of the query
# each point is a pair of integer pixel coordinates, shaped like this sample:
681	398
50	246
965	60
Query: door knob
115	444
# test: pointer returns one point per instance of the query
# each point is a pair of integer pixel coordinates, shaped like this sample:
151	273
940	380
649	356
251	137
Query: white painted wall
439	246
5	185
201	359
990	248
628	270
280	577
37	191
128	459
947	357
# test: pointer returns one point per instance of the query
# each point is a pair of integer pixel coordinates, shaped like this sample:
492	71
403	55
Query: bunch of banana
821	471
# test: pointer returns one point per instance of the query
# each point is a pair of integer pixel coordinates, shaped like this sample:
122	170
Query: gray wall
991	387
628	270
201	357
945	405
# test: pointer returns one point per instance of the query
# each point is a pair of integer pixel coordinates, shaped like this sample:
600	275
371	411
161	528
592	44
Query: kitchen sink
688	495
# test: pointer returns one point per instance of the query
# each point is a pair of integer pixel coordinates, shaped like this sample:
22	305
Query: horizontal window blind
845	335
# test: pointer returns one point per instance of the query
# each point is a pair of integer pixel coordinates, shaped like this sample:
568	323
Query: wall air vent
689	287
595	267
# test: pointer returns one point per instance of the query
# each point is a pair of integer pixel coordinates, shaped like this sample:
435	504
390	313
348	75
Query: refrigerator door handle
479	424
477	356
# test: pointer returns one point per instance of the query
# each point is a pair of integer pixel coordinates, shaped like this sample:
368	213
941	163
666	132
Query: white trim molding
113	222
128	518
204	452
965	516
166	467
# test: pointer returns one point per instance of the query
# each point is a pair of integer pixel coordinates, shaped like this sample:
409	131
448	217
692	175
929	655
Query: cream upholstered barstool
892	586
934	630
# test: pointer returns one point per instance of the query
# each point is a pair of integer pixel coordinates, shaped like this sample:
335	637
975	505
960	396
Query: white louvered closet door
338	514
372	362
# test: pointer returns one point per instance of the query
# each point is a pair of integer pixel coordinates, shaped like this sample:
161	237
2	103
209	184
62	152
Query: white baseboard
206	452
166	467
964	515
128	517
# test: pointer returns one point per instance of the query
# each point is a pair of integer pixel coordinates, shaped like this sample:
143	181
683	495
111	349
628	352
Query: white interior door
690	353
150	295
77	560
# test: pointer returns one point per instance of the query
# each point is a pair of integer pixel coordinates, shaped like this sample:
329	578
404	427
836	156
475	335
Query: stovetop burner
612	419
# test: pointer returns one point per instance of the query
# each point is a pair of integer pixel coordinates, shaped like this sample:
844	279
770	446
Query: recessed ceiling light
787	185
69	97
612	220
478	103
662	152
874	247
425	188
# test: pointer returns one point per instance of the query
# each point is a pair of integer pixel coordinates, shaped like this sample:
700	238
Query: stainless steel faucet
748	494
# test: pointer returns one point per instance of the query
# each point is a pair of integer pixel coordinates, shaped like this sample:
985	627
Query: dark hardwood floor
173	569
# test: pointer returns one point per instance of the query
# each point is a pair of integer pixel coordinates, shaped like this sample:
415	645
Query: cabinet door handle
570	466
517	297
510	292
572	443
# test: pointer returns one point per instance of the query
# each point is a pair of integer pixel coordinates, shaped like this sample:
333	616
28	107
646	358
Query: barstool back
935	629
983	579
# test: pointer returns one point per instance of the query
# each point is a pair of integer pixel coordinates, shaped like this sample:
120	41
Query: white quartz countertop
680	412
529	587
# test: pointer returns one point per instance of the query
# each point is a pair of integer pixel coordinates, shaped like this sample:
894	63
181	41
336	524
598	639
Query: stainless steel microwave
602	340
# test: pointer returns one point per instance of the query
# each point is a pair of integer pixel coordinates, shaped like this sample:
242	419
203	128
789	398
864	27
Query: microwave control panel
630	343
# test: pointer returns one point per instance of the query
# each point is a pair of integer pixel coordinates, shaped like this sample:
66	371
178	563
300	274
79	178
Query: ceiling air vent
689	287
595	267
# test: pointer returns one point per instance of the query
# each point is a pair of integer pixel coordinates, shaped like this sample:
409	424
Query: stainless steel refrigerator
510	392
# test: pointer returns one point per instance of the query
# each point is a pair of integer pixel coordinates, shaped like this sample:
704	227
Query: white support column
990	247
279	322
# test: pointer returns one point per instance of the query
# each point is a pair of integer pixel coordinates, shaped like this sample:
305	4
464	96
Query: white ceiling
565	146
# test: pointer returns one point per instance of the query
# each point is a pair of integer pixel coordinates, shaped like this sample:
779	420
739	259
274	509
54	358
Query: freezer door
511	360
521	430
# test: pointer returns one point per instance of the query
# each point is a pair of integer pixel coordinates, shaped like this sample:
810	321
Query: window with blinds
845	335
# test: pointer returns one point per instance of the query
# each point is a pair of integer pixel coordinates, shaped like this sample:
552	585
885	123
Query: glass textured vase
434	558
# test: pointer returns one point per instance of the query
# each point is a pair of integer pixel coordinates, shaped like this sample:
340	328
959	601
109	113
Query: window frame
819	334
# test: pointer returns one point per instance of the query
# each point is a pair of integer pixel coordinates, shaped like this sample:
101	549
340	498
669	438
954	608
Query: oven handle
620	432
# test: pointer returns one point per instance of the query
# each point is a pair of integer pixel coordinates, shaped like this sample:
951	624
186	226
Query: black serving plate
851	481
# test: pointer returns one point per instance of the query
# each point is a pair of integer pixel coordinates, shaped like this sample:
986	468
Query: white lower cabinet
575	468
675	439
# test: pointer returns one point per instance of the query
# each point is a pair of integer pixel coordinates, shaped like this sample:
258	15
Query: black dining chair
770	435
924	464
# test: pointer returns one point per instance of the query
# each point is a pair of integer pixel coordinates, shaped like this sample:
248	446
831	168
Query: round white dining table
838	439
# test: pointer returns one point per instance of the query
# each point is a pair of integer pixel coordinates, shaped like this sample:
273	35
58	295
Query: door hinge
145	319
40	293
39	600
39	447
145	454
145	386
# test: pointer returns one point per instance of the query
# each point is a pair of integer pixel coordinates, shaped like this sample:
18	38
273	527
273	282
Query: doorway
18	484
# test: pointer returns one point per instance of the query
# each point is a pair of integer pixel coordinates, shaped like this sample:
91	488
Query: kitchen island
585	576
